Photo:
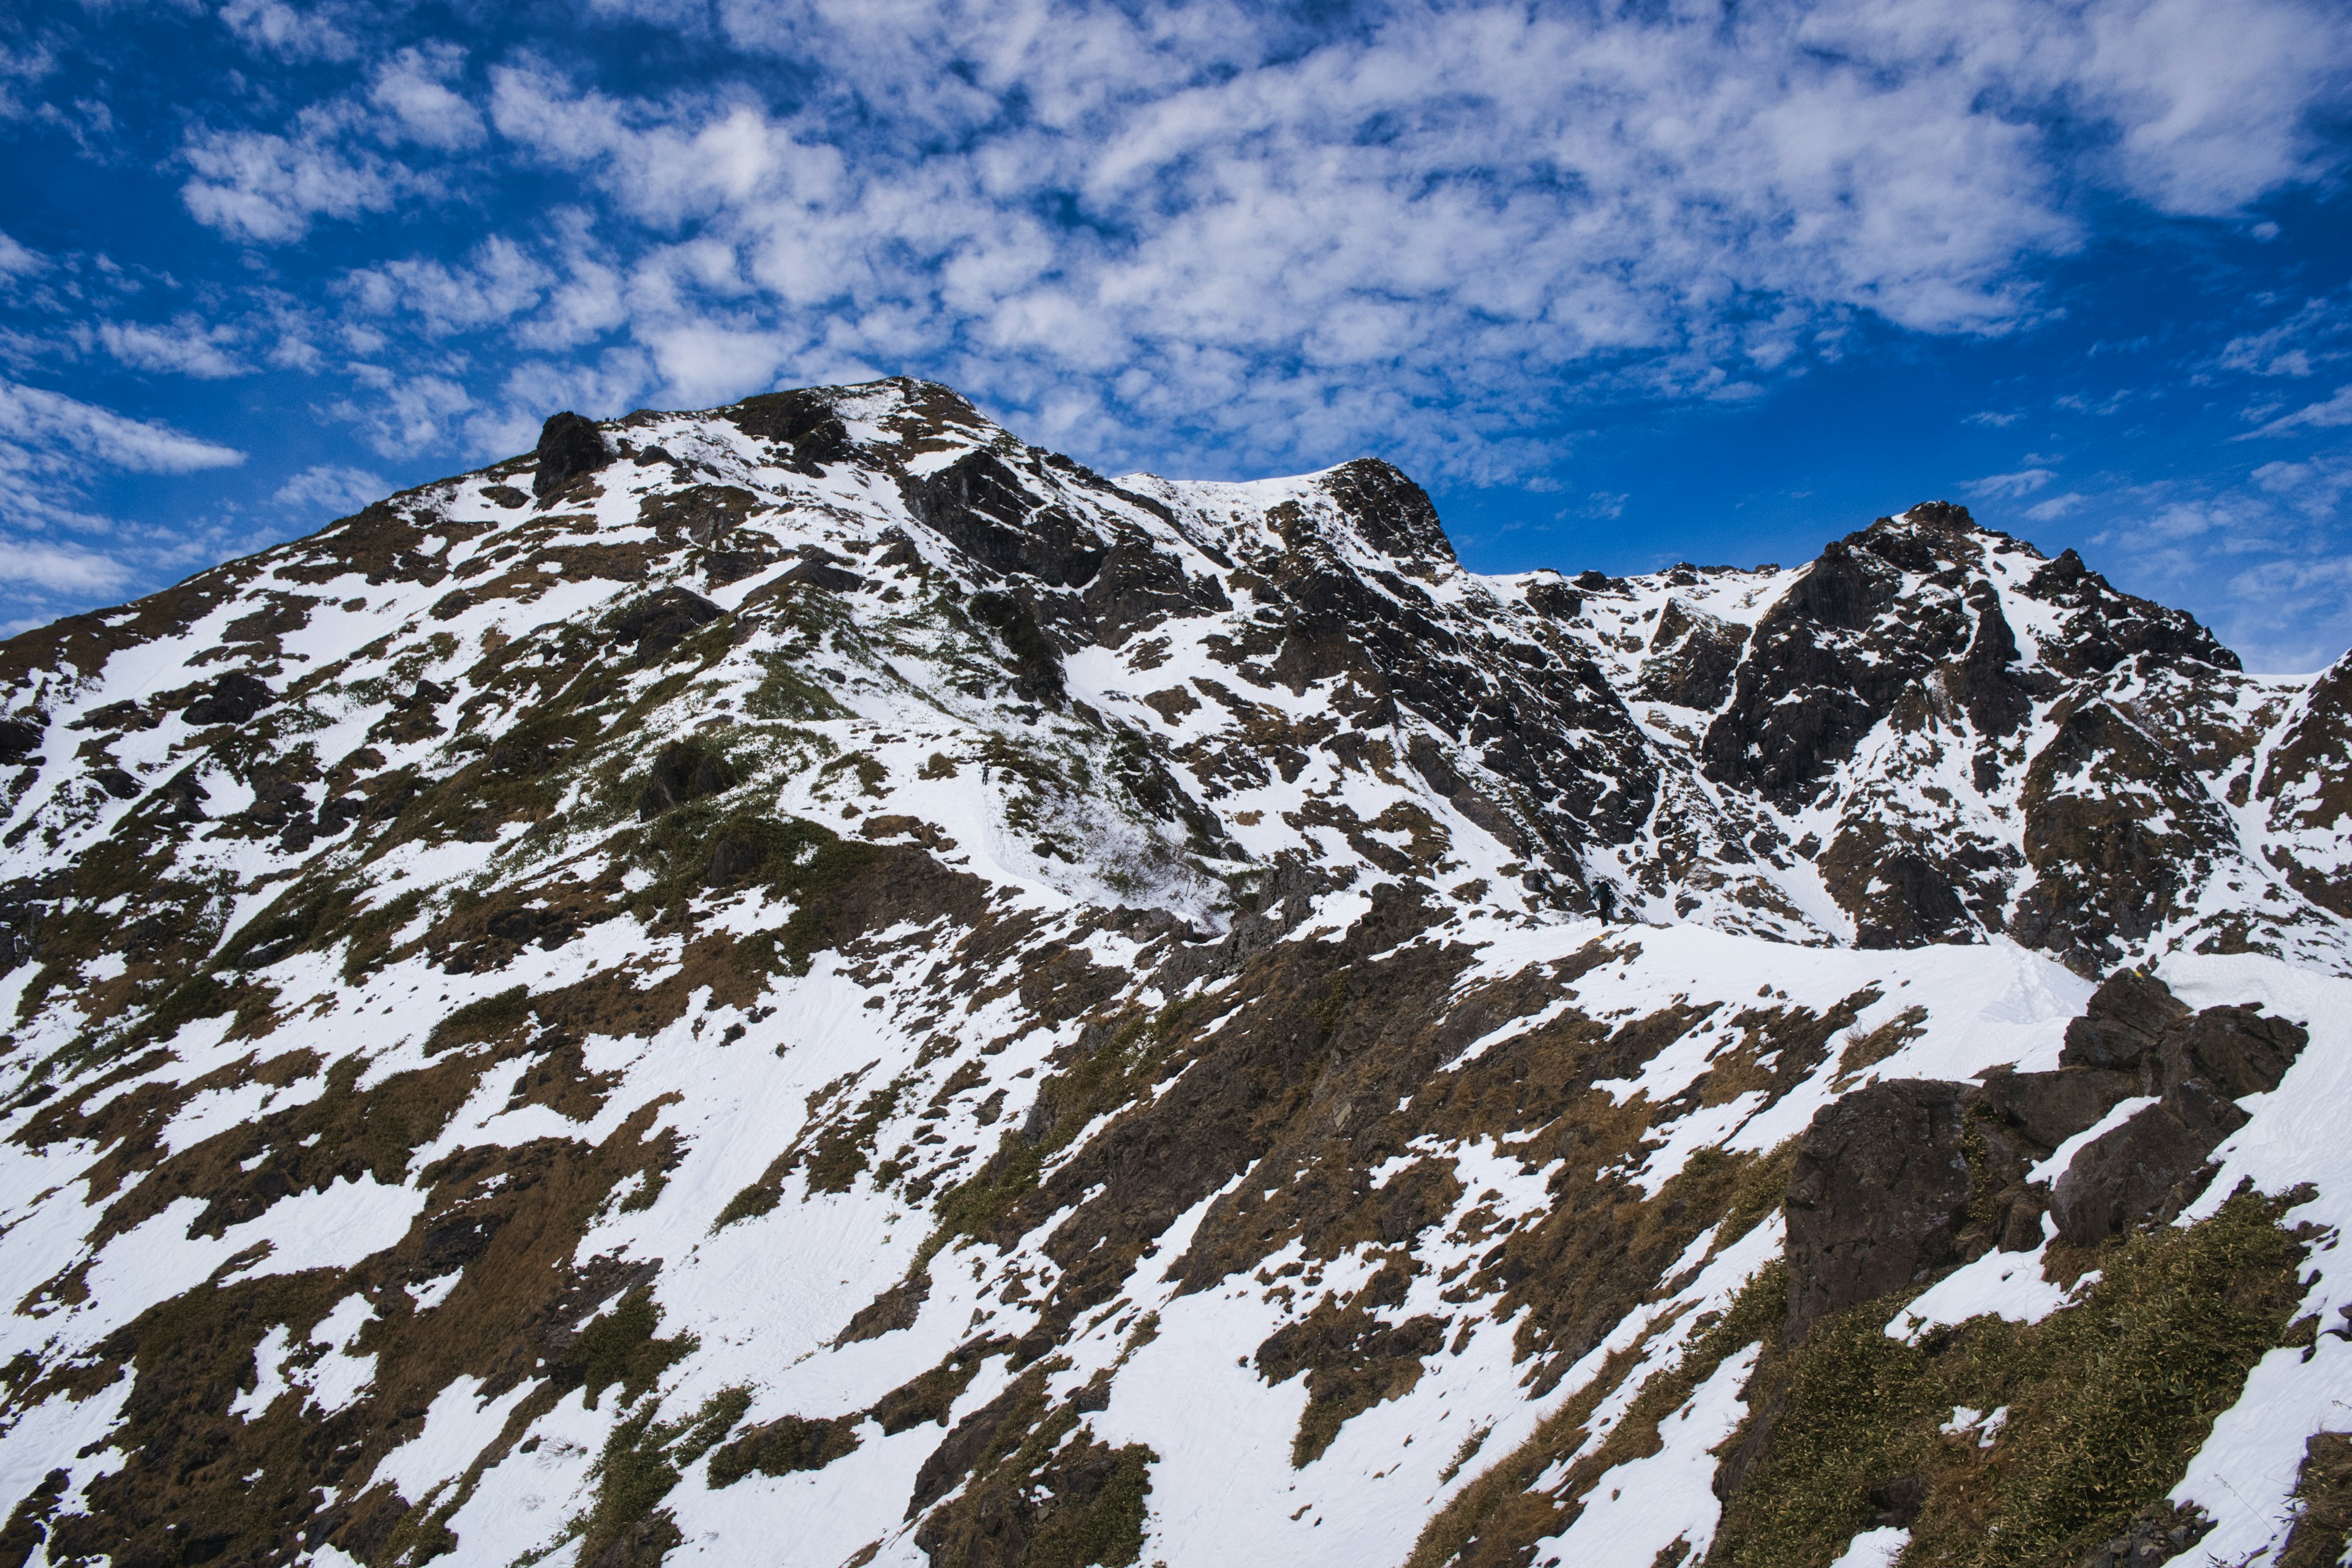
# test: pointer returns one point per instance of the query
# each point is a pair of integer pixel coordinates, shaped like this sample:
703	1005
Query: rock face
811	982
1896	1182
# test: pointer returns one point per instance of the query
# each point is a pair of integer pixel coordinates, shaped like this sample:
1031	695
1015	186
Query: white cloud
46	429
17	261
2322	416
409	414
326	31
266	187
22	66
184	347
413	88
2009	487
59	568
2056	507
331	489
497	282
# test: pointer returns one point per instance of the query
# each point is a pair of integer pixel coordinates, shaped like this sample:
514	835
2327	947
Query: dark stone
1990	686
19	739
1037	662
1919	906
2050	1107
982	507
703	513
1593	582
1692	658
233	699
570	447
1878	1196
504	495
179	795
682	772
1391	513
450	605
116	783
818	573
1898	1502
2130	1173
721	567
2238	1050
2156	1535
803	421
2126	1016
1556	600
655	454
733	856
660	621
1137	587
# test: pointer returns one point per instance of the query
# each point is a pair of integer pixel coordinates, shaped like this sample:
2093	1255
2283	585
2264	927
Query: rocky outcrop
2195	1067
1900	1180
569	448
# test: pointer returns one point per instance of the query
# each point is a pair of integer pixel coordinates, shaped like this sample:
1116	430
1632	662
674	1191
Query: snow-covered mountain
811	984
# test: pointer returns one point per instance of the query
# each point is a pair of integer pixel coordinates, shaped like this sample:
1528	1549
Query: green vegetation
620	1347
2108	1398
782	1446
1113	1073
641	1463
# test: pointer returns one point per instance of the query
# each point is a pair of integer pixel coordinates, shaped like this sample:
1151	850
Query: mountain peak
822	974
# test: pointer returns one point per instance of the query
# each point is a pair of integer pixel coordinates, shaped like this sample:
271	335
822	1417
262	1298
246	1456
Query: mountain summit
810	983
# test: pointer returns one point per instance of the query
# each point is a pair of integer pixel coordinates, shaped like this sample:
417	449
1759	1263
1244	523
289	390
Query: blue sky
1624	285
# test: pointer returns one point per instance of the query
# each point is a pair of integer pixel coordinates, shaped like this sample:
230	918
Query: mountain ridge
481	970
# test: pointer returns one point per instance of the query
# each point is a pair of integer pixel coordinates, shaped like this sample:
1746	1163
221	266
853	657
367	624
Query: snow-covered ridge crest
809	980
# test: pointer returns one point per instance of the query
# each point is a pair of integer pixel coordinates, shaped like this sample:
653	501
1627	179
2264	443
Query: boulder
569	449
1878	1196
231	700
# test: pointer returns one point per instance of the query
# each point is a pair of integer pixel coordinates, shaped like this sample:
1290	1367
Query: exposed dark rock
681	772
703	513
2156	1535
660	622
233	699
1137	587
2049	1108
1390	510
2133	1172
721	567
802	421
1036	663
733	856
2199	1064
2119	832
19	739
1821	670
1879	1195
818	573
2120	1027
1991	684
1693	657
2307	782
2108	627
1557	599
116	783
1913	904
569	449
982	507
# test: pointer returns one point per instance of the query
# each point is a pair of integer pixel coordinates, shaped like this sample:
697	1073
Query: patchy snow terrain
809	983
